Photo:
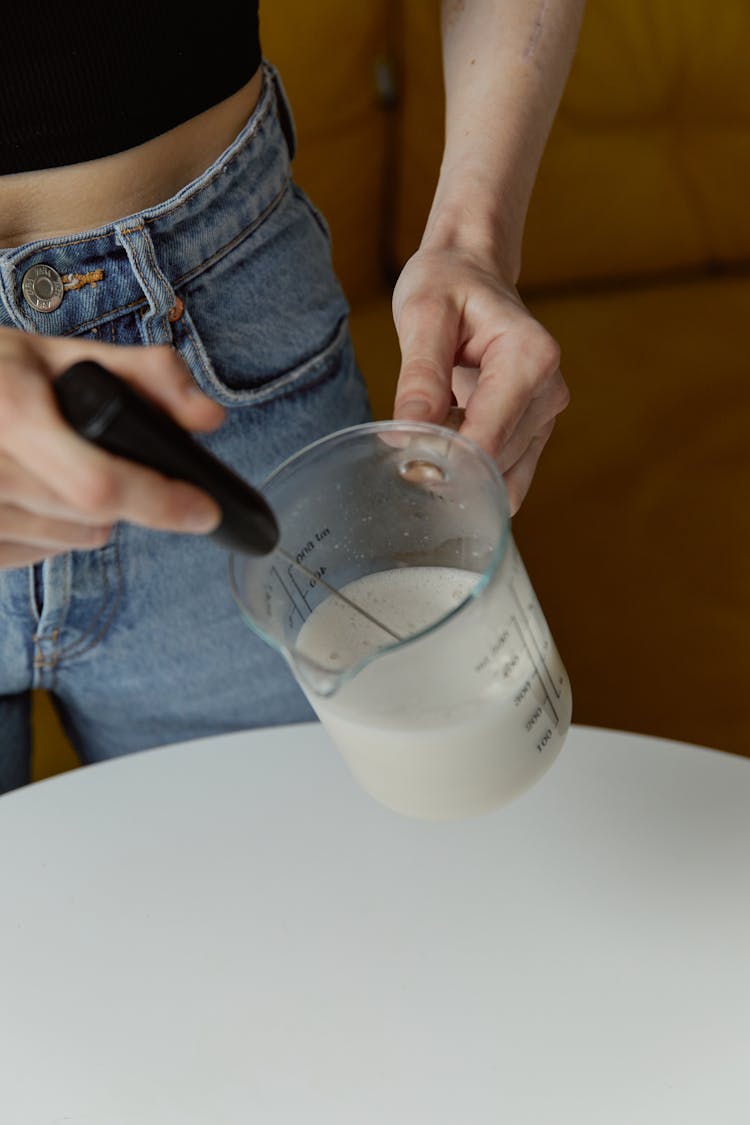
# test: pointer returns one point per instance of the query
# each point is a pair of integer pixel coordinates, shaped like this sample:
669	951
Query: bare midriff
59	201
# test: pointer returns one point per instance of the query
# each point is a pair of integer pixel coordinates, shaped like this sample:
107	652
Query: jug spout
313	677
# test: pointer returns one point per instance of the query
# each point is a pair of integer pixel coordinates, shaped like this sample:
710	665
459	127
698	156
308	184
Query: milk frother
106	410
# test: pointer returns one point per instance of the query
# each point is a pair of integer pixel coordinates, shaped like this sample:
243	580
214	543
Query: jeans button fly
43	288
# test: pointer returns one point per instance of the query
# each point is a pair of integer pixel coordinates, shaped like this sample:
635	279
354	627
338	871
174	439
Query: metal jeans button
43	288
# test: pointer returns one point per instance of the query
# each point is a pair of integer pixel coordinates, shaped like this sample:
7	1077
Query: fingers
518	456
19	527
427	330
100	487
158	372
26	536
512	403
537	421
519	368
14	555
462	327
58	491
20	488
519	477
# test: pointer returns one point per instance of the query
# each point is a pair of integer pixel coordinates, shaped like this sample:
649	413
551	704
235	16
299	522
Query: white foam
455	722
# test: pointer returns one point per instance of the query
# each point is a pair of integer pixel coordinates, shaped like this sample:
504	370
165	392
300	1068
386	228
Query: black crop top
84	79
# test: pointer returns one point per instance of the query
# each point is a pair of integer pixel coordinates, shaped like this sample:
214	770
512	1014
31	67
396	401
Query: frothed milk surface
455	722
407	600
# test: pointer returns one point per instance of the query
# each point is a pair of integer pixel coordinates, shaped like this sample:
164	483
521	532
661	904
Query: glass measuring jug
461	701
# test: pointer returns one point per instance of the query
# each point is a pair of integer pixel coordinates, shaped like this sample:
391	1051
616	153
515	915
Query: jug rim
391	424
336	678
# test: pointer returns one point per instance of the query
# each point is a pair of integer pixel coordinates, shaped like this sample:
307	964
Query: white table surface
231	932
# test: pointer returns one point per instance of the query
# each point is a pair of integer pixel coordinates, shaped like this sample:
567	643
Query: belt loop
156	323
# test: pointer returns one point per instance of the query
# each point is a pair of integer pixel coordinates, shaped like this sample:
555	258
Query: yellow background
636	532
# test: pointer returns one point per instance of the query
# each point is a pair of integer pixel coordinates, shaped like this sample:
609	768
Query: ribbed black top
85	79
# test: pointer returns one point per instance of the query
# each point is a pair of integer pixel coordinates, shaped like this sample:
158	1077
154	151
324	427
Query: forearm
506	63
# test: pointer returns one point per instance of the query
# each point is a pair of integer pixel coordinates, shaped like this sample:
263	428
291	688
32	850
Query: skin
57	491
463	329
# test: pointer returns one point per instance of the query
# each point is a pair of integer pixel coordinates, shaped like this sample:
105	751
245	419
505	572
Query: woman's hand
461	323
59	492
465	334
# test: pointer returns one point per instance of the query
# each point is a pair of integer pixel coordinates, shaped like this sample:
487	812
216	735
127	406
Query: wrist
478	223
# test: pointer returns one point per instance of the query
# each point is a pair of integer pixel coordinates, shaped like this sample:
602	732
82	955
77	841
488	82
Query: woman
148	219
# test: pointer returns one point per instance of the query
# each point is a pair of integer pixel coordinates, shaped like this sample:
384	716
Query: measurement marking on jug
544	740
316	577
289	594
495	649
527	624
530	654
523	691
300	591
534	718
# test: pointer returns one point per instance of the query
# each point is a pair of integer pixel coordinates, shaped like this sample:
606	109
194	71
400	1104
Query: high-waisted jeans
140	643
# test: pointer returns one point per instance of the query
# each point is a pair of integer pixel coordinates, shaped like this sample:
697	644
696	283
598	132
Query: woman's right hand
58	492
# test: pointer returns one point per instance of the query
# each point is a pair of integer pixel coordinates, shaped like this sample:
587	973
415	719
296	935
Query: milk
461	718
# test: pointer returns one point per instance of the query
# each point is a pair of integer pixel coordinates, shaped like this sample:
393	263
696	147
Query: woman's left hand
465	334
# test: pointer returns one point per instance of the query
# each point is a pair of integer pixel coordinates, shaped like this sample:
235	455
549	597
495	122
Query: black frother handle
107	411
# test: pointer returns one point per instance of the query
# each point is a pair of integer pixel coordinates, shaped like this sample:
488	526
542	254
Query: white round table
230	932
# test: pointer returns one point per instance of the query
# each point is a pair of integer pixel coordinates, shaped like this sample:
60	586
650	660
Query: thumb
428	334
158	371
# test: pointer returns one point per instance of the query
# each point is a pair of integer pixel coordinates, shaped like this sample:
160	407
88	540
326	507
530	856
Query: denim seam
108	317
186	195
238	238
258	121
41	663
282	384
142	276
15	310
57	589
168	288
199	352
166	210
31	588
86	641
216	256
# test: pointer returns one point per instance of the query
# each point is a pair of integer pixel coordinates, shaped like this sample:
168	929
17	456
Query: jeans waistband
98	267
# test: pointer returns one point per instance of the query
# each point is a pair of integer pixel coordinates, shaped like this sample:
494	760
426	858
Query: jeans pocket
270	313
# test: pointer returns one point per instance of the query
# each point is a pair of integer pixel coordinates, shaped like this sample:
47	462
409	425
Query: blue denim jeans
140	643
